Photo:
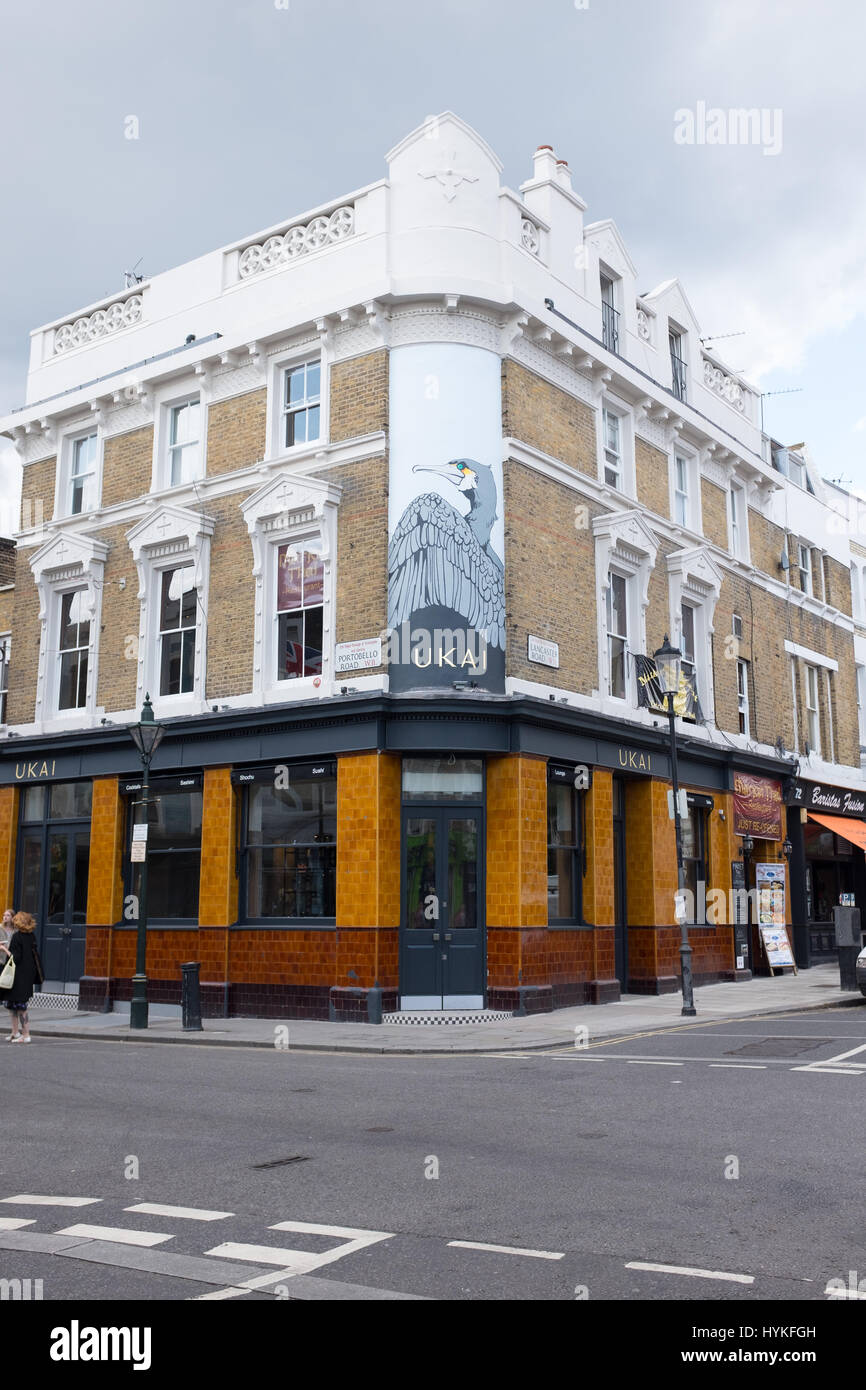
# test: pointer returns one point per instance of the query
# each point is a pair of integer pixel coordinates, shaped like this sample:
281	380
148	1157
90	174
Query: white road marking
695	1273
507	1250
296	1261
828	1071
117	1234
28	1199
14	1223
352	1233
740	1066
641	1062
187	1213
842	1055
844	1293
220	1294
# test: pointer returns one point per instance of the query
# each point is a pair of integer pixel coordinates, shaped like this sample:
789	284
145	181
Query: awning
852	830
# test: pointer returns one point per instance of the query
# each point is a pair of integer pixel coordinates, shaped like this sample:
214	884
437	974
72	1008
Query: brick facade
127	466
359	396
548	418
236	432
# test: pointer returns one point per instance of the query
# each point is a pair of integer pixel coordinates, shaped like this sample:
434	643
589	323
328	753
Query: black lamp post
668	662
147	736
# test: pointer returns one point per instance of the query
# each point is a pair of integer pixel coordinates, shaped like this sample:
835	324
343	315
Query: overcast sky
251	111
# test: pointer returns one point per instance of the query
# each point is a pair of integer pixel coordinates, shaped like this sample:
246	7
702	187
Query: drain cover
379	1129
778	1047
281	1162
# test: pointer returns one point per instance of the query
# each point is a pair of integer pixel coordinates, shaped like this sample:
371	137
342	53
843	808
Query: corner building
387	507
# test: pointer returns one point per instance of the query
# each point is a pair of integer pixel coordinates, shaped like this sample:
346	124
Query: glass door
442	945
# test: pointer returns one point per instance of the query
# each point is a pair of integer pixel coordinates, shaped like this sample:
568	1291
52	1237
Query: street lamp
147	736
668	661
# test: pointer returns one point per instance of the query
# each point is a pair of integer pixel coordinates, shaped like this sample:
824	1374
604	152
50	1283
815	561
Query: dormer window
609	315
678	364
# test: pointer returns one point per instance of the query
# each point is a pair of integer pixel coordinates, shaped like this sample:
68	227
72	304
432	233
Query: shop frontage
827	828
508	856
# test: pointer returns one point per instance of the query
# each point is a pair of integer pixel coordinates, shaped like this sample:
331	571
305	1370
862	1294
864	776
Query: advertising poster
757	806
446	532
770	883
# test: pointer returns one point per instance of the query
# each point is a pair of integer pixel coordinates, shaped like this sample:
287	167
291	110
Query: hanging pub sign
650	696
757	806
839	801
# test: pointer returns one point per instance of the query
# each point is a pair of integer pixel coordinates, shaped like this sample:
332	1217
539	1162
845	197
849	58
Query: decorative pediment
289	500
606	240
628	531
670	298
695	569
165	525
69	552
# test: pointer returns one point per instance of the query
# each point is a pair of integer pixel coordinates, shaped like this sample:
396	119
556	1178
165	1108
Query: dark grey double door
52	886
442	932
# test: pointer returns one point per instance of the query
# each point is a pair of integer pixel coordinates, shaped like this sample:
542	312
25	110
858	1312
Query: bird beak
447	470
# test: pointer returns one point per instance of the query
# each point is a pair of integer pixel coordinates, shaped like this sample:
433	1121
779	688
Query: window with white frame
300	597
177	630
82	479
861	702
617	633
737	513
804	565
302	403
5	653
184	442
682	491
687	643
73	650
613	461
813	721
743	697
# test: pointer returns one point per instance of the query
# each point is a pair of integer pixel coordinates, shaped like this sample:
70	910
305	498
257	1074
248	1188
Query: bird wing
435	560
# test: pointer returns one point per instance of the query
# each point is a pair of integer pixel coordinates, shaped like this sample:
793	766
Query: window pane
617	667
34	803
313	423
314	577
560	884
560	814
290	646
612	431
688	632
84	455
313	642
462	873
304	812
292	882
295	392
289	578
185	423
618	605
70	800
73	680
435	779
314	374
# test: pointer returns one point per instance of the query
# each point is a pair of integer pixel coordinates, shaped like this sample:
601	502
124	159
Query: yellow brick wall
37	492
549	578
714	503
548	418
231	602
25	628
362	548
651	476
118	639
236	432
359	396
127	466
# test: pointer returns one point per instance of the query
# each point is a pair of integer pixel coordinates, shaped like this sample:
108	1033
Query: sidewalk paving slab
817	988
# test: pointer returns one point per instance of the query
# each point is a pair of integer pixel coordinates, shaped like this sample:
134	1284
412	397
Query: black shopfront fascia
473	724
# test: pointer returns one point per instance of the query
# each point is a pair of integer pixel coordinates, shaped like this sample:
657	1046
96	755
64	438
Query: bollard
848	945
374	1004
191	997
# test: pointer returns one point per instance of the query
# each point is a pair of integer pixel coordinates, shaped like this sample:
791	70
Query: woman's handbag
7	978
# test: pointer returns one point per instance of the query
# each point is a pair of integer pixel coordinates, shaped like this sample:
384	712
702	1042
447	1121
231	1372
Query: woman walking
6	927
28	970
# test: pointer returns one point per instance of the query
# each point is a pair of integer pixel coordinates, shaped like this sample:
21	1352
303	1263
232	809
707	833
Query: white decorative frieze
644	325
79	332
298	241
724	385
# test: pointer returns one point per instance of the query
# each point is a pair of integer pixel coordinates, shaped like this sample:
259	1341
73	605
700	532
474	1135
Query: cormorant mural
445	578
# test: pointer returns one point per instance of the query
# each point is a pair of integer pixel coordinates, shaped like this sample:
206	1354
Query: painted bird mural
440	560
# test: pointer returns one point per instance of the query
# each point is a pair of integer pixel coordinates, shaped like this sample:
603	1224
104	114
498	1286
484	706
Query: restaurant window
173	850
289	845
564	853
300	608
695	862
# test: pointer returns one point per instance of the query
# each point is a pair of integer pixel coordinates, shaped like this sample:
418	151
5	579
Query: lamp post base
138	1006
688	1010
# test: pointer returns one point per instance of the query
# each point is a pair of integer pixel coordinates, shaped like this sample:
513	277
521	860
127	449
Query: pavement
817	988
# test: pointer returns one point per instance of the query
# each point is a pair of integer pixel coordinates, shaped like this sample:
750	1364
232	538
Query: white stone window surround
309	351
66	441
65	563
615	406
177	392
694	518
738	495
290	509
625	544
165	539
695	578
